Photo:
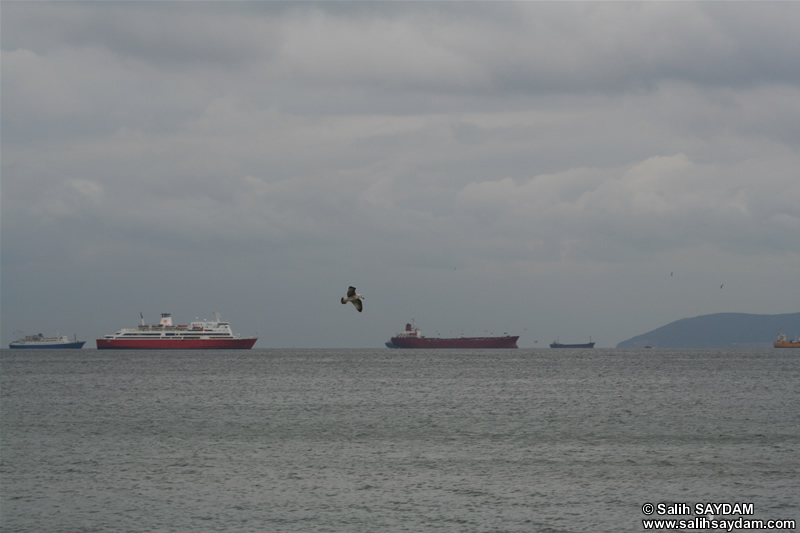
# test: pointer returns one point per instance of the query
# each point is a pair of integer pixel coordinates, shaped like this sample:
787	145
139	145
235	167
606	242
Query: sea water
392	440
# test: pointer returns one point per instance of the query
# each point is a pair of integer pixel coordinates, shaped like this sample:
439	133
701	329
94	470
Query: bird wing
351	292
358	304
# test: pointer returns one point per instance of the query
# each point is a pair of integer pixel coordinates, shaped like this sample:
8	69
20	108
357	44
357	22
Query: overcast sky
544	169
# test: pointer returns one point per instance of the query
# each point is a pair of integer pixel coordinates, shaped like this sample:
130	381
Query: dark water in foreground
388	440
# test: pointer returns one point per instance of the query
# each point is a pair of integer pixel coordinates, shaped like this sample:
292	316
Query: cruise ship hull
469	343
175	344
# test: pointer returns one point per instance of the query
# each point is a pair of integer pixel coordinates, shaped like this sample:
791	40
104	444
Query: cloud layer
543	153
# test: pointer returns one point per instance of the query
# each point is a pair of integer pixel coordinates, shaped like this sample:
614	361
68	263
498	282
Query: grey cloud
467	150
161	35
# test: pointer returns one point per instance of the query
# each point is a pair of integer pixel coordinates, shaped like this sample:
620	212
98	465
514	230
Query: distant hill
718	330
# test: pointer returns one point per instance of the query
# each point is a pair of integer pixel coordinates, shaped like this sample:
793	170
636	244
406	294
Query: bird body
354	298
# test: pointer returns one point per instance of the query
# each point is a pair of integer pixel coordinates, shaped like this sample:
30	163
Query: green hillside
718	330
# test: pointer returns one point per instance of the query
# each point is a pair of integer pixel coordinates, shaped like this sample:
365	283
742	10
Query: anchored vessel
557	344
40	341
199	335
783	342
413	338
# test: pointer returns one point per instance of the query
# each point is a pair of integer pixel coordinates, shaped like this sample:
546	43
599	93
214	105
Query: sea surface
392	440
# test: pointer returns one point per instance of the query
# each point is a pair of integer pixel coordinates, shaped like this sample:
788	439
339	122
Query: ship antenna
142	317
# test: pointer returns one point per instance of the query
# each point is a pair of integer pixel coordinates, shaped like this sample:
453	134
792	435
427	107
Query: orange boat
783	342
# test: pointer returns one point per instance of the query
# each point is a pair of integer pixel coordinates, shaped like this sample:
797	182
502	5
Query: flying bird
721	285
354	297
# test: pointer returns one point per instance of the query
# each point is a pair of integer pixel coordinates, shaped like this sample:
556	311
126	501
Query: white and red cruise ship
199	335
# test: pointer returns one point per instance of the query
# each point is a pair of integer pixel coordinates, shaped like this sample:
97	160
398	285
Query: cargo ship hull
559	345
470	343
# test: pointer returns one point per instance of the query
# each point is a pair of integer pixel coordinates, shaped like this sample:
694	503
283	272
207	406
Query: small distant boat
783	342
557	344
40	341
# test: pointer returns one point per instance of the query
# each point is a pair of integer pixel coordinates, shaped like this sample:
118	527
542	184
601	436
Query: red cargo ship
199	335
413	338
